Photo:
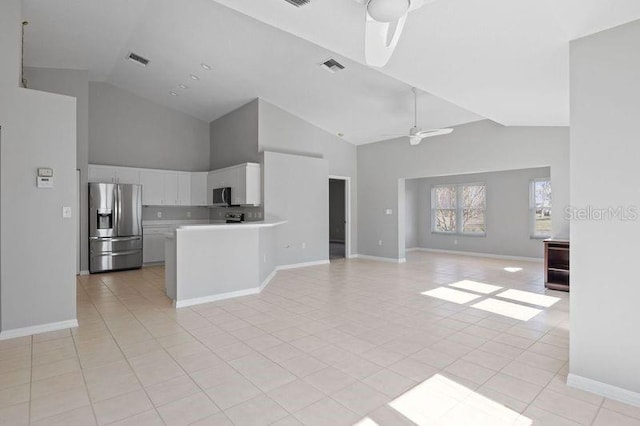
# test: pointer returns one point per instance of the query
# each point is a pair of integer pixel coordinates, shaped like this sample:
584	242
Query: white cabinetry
199	188
244	181
184	189
112	174
153	243
152	182
170	188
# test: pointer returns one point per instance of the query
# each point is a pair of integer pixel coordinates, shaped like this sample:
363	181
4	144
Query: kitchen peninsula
210	262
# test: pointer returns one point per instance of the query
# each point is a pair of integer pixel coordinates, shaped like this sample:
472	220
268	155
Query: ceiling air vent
133	57
332	66
298	3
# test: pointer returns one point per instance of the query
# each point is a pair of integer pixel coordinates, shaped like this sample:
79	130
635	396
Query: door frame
347	213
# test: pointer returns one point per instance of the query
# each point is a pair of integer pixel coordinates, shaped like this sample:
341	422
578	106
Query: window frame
532	209
459	209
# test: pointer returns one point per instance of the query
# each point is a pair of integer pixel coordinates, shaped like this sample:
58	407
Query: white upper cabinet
199	188
173	188
184	188
113	174
152	182
244	181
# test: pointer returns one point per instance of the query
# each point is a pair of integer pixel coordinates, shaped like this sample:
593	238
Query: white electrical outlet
304	245
455	242
66	212
188	214
379	242
159	214
388	212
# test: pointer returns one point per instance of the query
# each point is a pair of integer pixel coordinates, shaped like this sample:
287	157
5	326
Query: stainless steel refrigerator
115	227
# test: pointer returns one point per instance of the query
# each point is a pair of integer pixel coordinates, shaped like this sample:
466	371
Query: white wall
472	148
281	131
127	130
38	246
296	189
412	198
73	83
605	106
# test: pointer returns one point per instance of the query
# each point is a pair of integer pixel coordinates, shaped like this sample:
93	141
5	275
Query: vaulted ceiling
505	60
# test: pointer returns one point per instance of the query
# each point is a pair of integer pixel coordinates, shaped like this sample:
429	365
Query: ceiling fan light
387	10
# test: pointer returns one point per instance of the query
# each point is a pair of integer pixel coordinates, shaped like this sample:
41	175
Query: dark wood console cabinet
556	264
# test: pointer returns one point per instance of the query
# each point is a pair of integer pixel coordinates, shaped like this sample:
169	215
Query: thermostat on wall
45	172
45	177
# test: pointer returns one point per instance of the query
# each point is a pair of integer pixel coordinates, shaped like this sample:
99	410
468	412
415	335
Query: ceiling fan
384	22
416	134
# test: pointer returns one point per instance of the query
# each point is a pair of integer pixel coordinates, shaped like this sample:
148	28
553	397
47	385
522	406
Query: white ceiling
506	60
249	58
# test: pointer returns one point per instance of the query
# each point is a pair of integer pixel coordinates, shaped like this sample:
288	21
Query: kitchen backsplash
175	213
251	214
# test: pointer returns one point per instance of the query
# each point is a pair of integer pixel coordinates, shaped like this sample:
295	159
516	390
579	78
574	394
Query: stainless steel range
115	227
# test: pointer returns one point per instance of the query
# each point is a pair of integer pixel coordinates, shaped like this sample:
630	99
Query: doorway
339	209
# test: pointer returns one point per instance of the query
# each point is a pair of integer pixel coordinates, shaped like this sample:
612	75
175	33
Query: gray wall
507	215
127	130
605	106
280	131
73	83
337	210
37	277
472	148
234	137
411	212
297	189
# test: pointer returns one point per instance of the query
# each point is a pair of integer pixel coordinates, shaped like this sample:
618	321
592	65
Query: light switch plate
44	182
66	212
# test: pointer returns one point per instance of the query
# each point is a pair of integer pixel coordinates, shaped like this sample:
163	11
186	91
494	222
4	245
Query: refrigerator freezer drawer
100	245
113	261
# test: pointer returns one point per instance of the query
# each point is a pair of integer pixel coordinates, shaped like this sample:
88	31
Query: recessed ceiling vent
332	66
298	3
134	57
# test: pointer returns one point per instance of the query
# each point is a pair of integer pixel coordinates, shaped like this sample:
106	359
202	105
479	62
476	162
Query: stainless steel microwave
222	197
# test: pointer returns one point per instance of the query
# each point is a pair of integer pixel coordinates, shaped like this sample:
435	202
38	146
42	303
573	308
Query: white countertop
245	225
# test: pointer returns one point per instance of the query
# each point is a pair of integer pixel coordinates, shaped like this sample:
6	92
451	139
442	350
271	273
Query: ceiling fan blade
433	132
381	39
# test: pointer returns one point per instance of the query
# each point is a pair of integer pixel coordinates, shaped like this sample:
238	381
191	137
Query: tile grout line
124	356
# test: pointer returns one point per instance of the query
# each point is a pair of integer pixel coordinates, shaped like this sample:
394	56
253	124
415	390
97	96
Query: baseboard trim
84	273
37	329
215	298
248	292
476	254
378	258
302	265
267	280
604	389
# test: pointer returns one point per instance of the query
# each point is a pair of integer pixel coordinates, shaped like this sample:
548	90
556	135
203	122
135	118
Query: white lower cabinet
153	243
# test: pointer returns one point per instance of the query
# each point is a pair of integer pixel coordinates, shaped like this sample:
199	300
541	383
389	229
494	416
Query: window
540	208
458	209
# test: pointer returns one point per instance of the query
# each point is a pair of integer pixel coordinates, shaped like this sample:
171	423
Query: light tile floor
354	342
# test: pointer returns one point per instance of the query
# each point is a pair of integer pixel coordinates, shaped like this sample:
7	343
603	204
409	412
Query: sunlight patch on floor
476	286
528	297
443	401
512	269
507	309
451	295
